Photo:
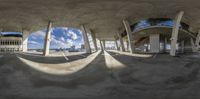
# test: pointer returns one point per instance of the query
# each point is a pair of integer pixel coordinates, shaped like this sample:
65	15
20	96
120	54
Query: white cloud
39	34
33	42
62	39
65	28
69	42
59	43
72	34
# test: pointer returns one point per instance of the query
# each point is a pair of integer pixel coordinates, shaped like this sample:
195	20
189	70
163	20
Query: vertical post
24	41
182	46
155	43
129	35
127	45
165	44
116	45
104	44
194	48
47	39
175	31
198	39
101	45
121	42
94	40
86	40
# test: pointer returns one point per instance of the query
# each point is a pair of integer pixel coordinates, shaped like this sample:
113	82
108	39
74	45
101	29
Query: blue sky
61	37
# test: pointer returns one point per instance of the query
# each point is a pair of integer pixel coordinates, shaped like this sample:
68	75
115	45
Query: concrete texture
110	75
104	17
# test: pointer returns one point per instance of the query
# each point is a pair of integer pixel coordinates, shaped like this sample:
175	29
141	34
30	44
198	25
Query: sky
61	37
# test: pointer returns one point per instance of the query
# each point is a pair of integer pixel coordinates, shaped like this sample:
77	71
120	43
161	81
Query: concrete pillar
86	40
121	42
104	44
154	43
24	41
182	46
116	45
194	47
101	45
198	39
175	31
127	44
165	44
47	39
94	40
129	35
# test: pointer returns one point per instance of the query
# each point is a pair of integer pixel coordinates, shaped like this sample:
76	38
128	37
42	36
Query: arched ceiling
104	17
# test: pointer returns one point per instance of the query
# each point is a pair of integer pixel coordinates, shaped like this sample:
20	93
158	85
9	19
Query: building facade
10	44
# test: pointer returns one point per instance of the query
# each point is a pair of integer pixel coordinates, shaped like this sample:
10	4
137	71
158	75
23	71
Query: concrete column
165	44
198	39
104	44
182	46
24	41
86	40
101	45
116	45
129	35
94	40
154	43
127	44
194	48
121	42
175	31
47	39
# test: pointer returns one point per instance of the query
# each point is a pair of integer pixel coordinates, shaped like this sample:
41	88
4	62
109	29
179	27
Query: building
10	42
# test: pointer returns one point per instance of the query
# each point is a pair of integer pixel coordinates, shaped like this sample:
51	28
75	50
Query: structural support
116	45
198	39
86	40
47	39
121	42
182	46
25	41
194	47
165	44
175	31
101	45
94	40
154	43
129	35
104	44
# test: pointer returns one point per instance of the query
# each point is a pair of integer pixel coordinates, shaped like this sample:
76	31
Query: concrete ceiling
104	17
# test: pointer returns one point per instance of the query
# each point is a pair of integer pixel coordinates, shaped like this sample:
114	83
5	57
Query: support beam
165	44
104	44
198	39
47	39
175	31
121	42
25	41
116	45
194	47
86	40
94	40
182	46
101	45
154	43
129	35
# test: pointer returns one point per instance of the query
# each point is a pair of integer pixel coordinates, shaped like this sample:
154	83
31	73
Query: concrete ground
101	75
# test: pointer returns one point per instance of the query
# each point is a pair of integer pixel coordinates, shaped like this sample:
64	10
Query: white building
10	43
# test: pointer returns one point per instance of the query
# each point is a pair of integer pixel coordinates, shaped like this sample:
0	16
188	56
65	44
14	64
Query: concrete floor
109	75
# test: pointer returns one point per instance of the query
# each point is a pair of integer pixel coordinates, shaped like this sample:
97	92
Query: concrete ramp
62	68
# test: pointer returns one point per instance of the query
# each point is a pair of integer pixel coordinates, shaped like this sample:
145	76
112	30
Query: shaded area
157	77
53	60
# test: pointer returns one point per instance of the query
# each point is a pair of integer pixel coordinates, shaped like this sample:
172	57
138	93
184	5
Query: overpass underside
155	52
